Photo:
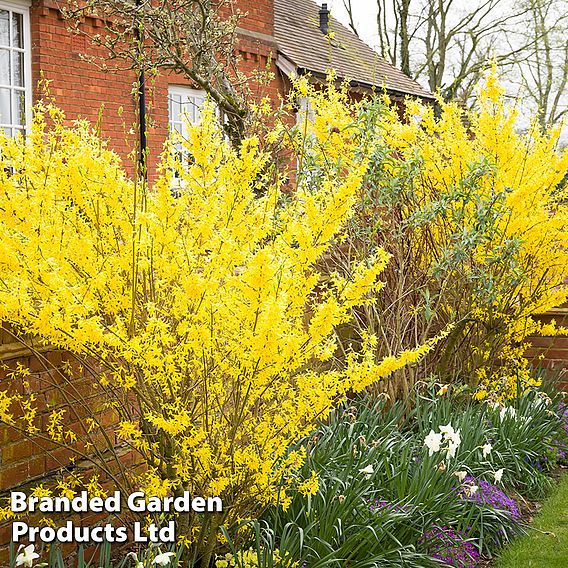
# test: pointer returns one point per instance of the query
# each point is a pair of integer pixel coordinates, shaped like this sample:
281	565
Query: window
15	67
305	111
184	106
184	102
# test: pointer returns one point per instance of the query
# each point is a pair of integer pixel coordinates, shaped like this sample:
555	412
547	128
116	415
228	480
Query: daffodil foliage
198	300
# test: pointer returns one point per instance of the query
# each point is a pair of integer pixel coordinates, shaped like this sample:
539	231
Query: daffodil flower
460	475
470	490
368	471
452	448
27	557
498	475
507	410
163	559
134	556
447	430
433	442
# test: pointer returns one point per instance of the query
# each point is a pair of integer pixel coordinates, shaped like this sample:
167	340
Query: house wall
258	15
77	86
83	90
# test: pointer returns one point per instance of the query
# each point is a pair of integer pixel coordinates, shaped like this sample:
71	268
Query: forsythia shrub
475	217
201	311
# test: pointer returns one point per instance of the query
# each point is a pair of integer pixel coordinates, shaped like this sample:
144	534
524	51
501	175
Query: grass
547	545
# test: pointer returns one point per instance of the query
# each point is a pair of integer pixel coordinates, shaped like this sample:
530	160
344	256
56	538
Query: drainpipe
142	120
139	36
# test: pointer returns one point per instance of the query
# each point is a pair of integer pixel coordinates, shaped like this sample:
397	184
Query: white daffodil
470	489
447	430
163	559
450	434
486	449
134	556
498	475
507	410
451	449
460	475
27	556
368	471
457	438
433	442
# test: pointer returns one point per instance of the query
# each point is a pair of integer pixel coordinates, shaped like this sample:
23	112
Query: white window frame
22	7
180	126
200	96
305	111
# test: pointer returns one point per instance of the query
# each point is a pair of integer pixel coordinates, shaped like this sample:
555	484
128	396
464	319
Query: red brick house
287	35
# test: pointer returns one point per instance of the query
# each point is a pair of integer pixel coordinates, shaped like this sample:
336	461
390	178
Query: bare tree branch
446	42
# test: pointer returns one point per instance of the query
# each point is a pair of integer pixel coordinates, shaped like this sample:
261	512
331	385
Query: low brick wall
26	462
552	352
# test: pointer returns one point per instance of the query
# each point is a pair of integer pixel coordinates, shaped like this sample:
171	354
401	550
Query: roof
299	39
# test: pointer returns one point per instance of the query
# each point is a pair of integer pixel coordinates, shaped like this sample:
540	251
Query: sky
365	20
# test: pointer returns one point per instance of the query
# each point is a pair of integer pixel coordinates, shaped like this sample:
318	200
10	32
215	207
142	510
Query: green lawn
547	545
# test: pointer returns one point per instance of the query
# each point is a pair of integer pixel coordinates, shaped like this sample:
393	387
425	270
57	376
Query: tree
395	47
194	38
349	9
543	71
445	43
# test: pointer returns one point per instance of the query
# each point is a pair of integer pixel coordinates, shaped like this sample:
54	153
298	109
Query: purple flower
380	505
561	449
562	413
450	546
488	494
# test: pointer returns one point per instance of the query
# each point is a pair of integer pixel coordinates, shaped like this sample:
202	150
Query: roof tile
297	33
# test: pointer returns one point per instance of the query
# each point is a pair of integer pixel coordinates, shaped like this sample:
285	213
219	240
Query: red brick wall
259	15
80	88
552	352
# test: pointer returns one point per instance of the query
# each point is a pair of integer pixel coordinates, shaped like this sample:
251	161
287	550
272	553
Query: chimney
324	19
